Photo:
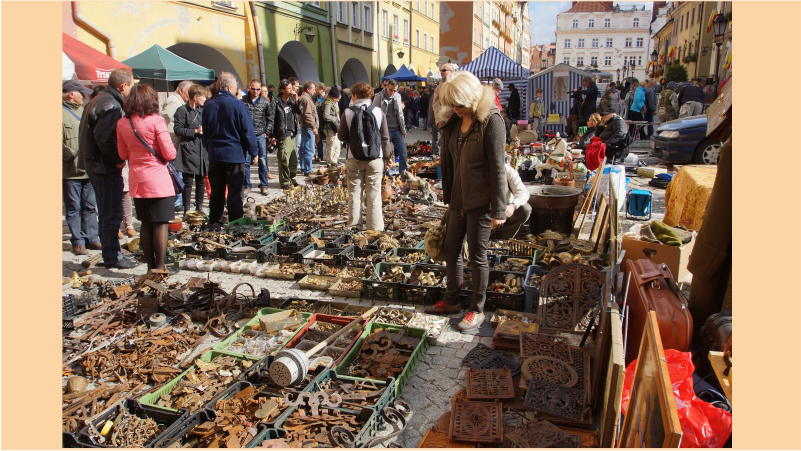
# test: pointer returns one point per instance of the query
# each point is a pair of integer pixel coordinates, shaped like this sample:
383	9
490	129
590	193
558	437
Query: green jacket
69	138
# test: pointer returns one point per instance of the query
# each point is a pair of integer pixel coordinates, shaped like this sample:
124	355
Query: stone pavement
438	375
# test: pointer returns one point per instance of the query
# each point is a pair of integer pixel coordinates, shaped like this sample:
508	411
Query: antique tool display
489	384
516	264
474	421
567	294
203	382
541	434
383	354
291	365
556	400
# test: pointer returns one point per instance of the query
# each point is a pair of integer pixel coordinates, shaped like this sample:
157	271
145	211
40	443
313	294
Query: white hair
183	86
462	88
226	80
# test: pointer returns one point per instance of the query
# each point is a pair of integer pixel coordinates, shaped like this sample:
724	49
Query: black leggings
200	190
153	237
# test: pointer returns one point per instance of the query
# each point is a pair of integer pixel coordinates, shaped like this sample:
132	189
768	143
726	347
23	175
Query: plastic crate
404	251
69	440
366	415
328	236
372	288
275	227
502	258
332	260
532	293
150	399
401	380
191	251
354	255
264	238
167	417
230	256
255	320
522	248
507	301
287	253
182	429
236	387
258	375
266	433
497	251
338	320
421	294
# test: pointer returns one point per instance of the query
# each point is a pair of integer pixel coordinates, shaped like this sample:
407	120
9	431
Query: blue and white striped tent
557	83
494	64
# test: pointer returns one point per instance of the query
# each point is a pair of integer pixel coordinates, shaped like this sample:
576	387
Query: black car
684	141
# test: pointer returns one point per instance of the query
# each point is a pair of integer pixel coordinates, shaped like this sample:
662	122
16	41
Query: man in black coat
257	107
590	93
514	104
97	154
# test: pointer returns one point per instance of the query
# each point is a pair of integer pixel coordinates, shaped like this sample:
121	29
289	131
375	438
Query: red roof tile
589	7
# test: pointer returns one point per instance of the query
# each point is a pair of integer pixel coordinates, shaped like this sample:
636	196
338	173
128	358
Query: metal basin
552	208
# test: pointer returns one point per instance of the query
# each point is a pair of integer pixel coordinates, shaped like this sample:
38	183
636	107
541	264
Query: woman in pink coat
149	180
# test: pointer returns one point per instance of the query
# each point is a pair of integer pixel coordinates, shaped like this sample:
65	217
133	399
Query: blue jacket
639	99
228	129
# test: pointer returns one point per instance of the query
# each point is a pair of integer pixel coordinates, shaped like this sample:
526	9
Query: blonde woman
473	184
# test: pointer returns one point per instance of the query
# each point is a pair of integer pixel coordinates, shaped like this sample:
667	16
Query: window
395	27
607	23
432	44
607	61
406	31
628	42
595	43
700	12
581	43
639	61
317	4
594	61
481	10
417	38
592	23
625	60
579	61
475	8
609	42
474	35
417	6
692	17
368	19
425	8
226	4
575	23
356	10
432	10
342	12
636	22
567	60
640	42
688	19
486	42
425	42
681	23
385	24
567	43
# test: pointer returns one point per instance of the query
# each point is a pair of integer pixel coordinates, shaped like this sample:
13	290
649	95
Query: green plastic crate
265	311
151	399
410	365
376	289
366	414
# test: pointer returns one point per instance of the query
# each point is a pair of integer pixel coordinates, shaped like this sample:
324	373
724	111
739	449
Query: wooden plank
720	366
609	418
652	420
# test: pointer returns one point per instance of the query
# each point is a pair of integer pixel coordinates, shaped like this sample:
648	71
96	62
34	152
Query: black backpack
364	138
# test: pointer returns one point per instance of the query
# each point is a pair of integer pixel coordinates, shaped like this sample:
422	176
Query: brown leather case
652	288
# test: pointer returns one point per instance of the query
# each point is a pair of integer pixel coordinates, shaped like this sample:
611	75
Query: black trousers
637	116
476	225
200	190
222	176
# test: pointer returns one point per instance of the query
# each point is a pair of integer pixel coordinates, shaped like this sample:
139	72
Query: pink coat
147	177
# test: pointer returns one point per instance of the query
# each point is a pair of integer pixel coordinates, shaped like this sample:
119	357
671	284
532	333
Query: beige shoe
470	321
130	231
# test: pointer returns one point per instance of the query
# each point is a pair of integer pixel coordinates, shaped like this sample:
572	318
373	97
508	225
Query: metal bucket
552	208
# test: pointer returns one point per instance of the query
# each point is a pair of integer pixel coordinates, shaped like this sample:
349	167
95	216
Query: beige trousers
332	149
365	176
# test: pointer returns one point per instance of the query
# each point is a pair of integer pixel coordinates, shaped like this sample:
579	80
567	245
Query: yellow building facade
393	47
425	38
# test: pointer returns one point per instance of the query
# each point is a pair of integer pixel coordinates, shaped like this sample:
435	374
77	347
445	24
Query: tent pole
257	28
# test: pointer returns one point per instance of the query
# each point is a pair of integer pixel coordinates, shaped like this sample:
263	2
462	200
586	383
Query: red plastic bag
702	425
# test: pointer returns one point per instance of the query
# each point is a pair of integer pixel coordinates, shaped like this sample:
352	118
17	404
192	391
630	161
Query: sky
543	18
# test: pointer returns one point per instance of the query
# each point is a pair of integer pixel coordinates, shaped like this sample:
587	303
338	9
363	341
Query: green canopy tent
159	63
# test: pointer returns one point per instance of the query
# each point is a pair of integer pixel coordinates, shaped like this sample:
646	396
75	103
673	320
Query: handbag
177	180
435	238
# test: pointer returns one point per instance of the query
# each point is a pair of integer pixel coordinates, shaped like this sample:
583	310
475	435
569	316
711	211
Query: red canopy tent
90	65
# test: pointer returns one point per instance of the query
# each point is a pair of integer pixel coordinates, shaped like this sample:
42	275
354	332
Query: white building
597	33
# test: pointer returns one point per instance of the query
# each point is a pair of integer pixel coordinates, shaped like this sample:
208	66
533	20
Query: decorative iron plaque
538	435
551	370
438	439
498	361
490	384
477	355
461	395
480	422
581	363
544	345
511	329
567	294
556	400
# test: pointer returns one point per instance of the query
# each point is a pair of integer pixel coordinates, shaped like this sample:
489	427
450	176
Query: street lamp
633	66
719	26
654	56
309	33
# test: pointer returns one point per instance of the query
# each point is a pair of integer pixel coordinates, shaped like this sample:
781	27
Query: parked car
684	141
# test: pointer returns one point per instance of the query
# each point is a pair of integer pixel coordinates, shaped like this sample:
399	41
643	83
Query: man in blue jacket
638	106
229	137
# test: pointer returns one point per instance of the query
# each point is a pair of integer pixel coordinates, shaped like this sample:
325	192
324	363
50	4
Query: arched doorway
205	56
295	60
353	72
391	69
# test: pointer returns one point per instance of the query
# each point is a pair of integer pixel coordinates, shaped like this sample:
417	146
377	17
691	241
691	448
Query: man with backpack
665	110
390	103
282	126
364	128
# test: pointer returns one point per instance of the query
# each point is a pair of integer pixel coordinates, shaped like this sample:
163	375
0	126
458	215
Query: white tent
67	67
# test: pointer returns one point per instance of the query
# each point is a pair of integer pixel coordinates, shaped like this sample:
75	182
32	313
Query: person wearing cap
329	123
691	100
77	191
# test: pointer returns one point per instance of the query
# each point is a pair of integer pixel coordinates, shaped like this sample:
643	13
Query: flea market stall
557	83
319	339
495	64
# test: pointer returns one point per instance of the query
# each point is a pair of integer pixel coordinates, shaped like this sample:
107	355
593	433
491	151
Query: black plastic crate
242	255
342	241
69	440
171	420
355	256
421	294
284	253
70	306
333	252
373	288
502	258
258	375
506	301
236	387
193	250
182	429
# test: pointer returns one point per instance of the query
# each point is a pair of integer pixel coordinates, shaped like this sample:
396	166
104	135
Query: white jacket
518	193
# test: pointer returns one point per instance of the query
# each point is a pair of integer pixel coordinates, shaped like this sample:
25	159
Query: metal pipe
332	26
80	20
257	27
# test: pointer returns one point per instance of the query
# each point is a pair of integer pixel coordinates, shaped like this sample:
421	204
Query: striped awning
494	64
